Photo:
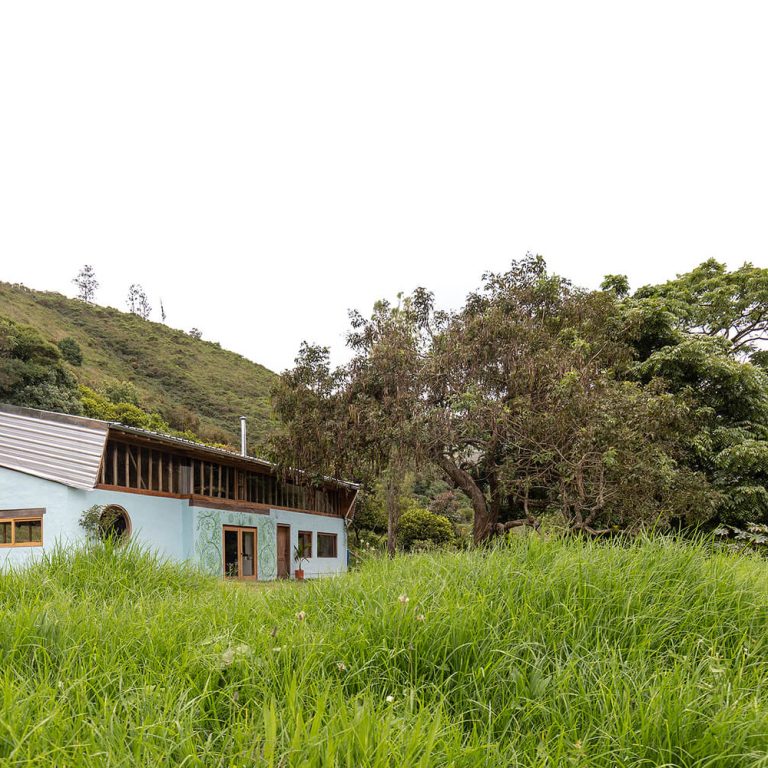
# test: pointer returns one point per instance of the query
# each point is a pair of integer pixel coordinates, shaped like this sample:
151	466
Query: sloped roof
68	449
65	449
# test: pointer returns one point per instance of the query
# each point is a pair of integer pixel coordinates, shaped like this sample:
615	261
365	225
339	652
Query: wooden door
283	551
239	551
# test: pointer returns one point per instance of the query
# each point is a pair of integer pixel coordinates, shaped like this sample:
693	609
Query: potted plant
300	556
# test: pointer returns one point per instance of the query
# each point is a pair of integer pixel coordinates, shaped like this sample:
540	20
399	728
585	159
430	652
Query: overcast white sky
263	167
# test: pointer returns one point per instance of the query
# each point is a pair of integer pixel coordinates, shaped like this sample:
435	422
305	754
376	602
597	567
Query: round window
114	523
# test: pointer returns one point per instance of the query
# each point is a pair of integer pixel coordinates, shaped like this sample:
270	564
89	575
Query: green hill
194	384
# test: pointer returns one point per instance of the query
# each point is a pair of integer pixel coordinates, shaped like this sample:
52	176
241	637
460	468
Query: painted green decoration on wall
208	540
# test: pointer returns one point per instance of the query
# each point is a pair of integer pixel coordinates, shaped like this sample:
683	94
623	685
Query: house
229	513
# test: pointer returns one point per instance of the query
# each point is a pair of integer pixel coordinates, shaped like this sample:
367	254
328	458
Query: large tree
359	419
517	398
528	414
696	337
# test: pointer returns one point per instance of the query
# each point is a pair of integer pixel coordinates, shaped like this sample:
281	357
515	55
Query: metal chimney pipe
243	451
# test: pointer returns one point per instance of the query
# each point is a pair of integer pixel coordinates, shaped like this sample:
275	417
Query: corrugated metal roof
66	449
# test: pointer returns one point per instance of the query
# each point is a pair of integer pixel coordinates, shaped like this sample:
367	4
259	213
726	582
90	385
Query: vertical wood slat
160	471
127	469
139	479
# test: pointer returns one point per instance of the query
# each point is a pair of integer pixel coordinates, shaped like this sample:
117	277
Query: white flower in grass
341	666
301	615
404	599
390	699
228	656
421	617
277	648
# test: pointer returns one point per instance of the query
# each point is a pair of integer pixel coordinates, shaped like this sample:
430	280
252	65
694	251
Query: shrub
422	526
70	351
32	372
123	392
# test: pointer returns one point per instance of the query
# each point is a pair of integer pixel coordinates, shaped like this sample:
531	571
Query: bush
32	373
70	351
421	526
99	406
123	392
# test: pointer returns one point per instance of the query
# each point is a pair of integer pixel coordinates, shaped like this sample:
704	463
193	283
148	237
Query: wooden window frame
240	529
14	516
308	554
335	537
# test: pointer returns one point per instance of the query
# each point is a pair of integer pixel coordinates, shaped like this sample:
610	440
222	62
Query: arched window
115	523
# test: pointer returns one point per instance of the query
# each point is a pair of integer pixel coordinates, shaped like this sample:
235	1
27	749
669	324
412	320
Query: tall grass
545	653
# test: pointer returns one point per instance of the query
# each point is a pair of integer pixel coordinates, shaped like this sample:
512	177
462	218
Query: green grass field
545	653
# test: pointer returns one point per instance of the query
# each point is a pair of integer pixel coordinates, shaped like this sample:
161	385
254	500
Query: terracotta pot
299	574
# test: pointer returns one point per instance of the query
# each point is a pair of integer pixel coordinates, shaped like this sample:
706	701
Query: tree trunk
393	493
484	523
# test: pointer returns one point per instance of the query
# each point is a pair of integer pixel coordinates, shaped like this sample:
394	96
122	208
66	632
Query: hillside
194	384
545	653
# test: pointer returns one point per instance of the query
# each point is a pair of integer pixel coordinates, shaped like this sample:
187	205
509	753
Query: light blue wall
171	527
299	521
19	491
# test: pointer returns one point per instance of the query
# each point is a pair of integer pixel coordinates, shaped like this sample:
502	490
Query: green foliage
98	523
194	384
370	514
702	366
711	300
122	392
99	406
728	414
542	653
521	399
618	285
71	351
452	505
32	372
753	536
419	525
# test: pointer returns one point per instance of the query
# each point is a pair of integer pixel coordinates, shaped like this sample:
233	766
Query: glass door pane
231	560
247	552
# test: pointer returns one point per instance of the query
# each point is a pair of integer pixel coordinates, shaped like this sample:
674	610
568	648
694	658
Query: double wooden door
240	547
